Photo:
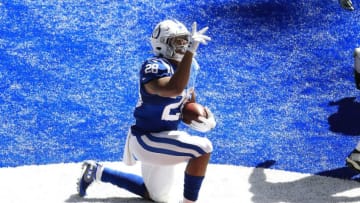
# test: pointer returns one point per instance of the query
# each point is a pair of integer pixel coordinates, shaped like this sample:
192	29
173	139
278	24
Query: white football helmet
170	39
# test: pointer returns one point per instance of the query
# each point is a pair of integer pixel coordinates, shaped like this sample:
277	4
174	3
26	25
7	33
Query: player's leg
93	171
169	148
131	182
194	175
353	160
159	181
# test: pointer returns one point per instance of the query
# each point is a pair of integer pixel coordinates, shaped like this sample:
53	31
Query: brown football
191	111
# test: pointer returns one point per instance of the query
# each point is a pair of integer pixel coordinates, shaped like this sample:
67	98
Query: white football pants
159	153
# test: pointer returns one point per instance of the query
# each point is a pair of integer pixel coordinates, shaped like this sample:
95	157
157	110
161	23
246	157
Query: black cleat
87	177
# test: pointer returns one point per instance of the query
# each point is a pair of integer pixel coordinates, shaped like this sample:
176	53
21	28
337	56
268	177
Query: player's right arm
171	86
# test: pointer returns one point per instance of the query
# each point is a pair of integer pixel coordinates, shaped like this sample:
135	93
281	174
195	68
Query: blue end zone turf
277	75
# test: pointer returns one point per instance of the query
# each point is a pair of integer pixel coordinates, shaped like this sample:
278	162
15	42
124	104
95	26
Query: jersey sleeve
154	69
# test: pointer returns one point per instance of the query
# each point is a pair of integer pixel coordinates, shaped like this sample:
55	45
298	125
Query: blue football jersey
154	113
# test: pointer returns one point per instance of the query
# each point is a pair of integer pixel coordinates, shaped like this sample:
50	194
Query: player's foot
87	177
346	4
353	160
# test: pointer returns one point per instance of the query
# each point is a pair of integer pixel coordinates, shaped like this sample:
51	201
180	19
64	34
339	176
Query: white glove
206	124
197	37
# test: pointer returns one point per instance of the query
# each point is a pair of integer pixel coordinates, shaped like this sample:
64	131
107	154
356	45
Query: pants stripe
162	150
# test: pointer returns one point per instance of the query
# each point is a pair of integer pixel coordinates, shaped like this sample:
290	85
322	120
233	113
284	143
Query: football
191	111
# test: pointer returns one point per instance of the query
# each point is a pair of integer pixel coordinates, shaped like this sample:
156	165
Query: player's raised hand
197	37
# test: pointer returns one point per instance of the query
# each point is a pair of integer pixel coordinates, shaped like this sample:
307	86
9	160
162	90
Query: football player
353	160
154	139
357	68
346	4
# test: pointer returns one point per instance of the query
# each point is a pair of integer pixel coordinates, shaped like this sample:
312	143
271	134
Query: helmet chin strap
172	54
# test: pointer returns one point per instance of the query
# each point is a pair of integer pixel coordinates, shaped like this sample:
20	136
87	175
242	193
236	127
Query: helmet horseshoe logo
156	33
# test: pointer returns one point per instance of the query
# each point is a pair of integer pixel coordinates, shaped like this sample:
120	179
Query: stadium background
277	74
